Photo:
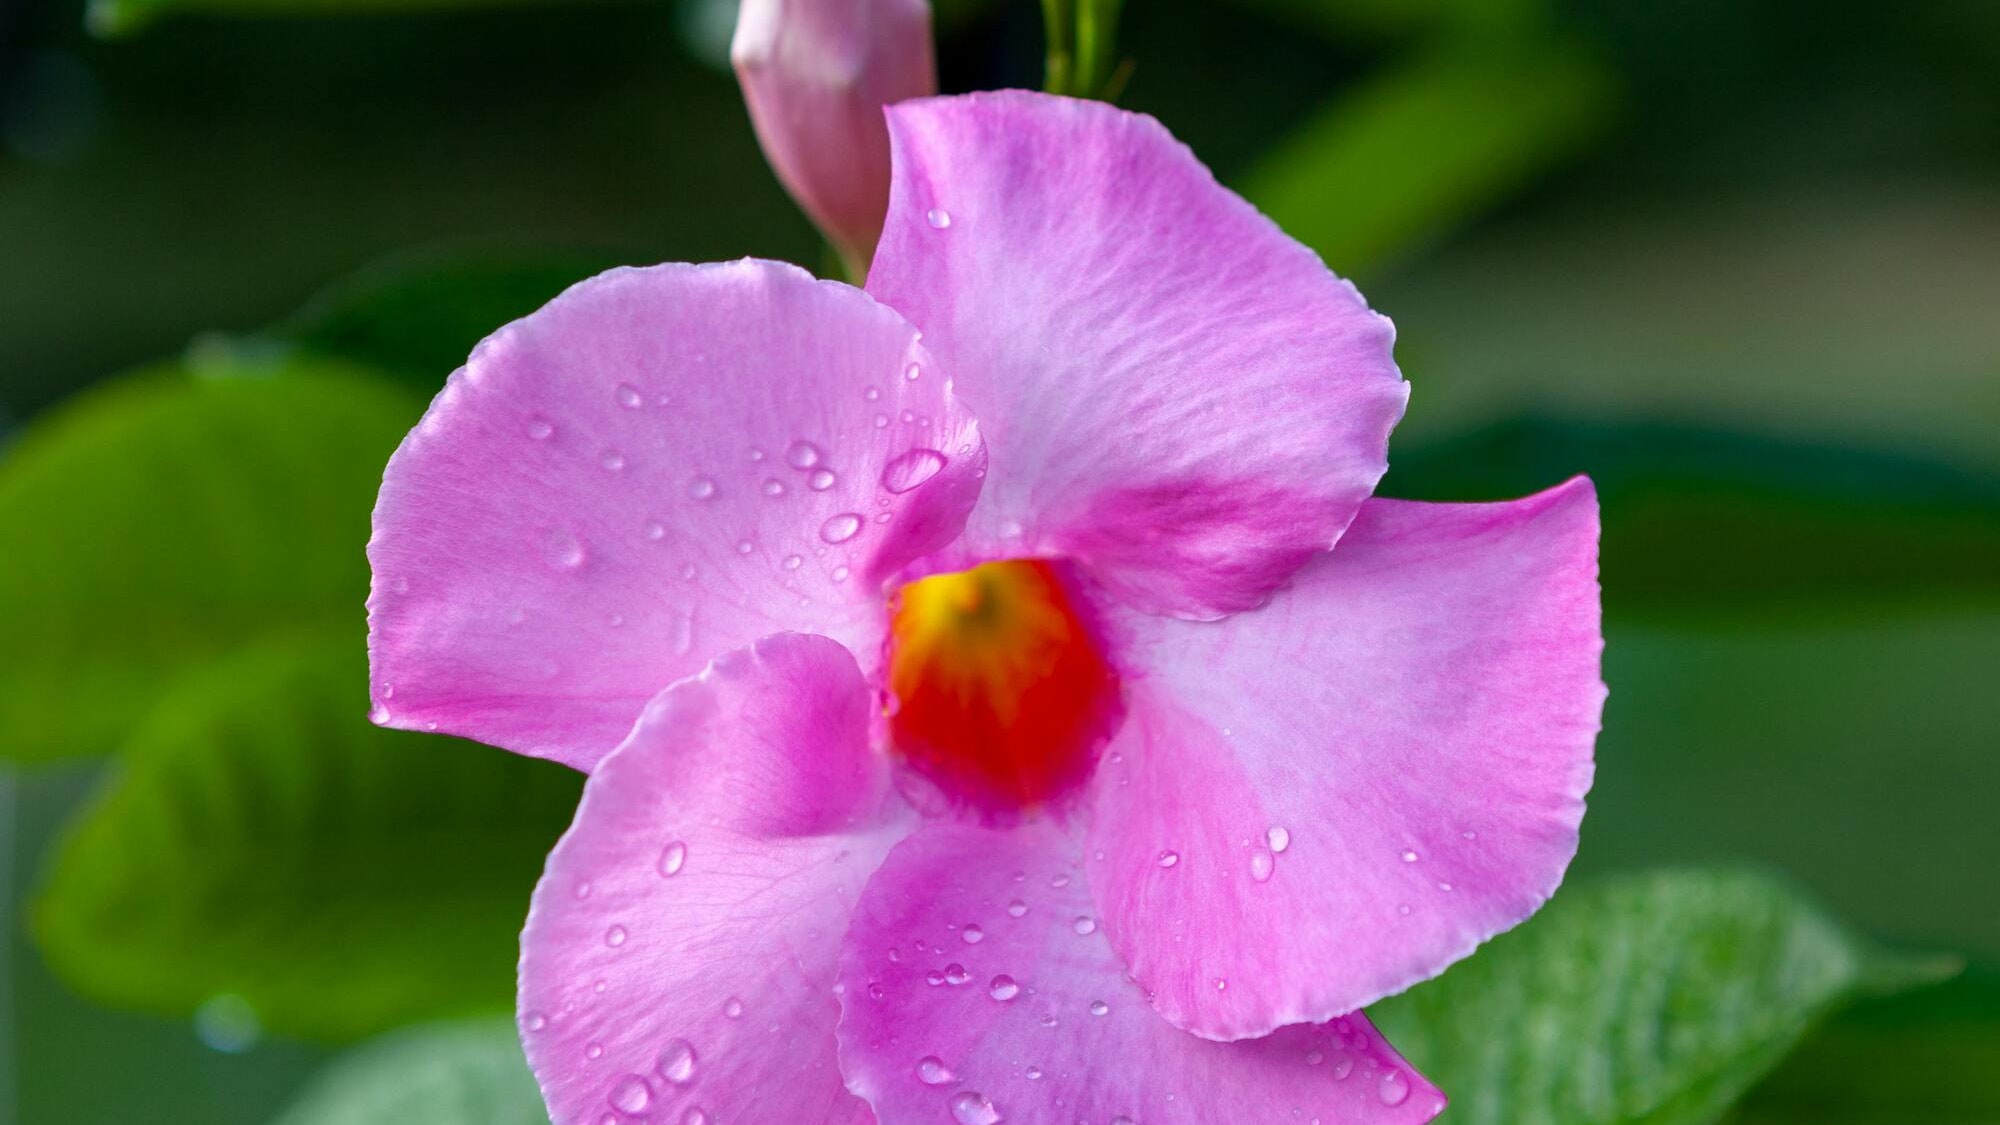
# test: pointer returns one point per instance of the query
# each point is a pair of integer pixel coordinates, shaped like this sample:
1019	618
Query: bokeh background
1737	259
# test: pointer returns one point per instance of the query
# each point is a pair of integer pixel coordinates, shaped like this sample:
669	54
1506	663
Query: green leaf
418	317
468	1073
165	519
259	839
1738	522
1929	1056
1656	998
1405	157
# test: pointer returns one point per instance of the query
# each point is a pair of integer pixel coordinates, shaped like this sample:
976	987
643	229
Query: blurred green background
1737	259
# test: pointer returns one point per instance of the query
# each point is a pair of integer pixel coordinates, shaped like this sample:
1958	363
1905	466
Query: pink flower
816	74
1048	767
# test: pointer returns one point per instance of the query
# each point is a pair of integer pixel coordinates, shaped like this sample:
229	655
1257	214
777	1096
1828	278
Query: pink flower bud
816	74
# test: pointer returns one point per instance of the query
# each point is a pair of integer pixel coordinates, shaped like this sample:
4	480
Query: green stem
1059	18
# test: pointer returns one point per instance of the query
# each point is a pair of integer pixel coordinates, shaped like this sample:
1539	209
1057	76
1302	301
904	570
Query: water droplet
744	546
676	1063
1393	1089
840	528
774	487
913	372
565	551
1221	985
1121	1119
1262	865
1314	1058
534	1021
821	480
803	455
872	393
1059	882
955	974
1034	1073
1278	838
910	469
733	1007
541	429
881	421
840	574
938	217
793	562
973	1108
695	1115
615	936
931	1071
594	1051
1404	910
1409	857
672	858
702	488
1016	909
934	978
655	530
1444	886
631	1095
583	889
1099	1008
612	460
629	397
1003	987
1342	1067
1084	924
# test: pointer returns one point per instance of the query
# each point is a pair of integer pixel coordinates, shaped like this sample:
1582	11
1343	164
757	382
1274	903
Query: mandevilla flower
1052	767
816	74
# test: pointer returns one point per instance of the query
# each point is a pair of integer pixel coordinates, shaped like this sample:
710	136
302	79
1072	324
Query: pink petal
816	74
682	947
1176	394
1036	1022
658	466
1328	800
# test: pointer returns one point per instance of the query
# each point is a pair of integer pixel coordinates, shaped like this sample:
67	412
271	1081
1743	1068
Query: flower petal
1034	1020
682	946
658	466
1332	798
1177	395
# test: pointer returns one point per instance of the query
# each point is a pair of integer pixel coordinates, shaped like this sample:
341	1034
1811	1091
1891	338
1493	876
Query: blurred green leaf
1407	155
165	519
444	1074
1931	1056
1700	518
419	317
1343	20
111	18
258	838
1656	998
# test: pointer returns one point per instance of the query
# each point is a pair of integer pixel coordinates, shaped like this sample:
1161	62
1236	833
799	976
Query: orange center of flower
1002	696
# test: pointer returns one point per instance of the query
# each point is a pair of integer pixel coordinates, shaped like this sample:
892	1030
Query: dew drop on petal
972	935
913	372
1016	909
594	1051
631	1095
973	1108
1393	1089
1343	1067
535	1021
1099	1008
938	218
955	974
1262	865
793	562
1409	857
676	1062
612	460
910	469
931	1071
702	488
655	530
695	1115
803	455
1169	858
1084	924
733	1007
615	936
840	528
629	397
821	480
1003	987
1278	838
773	487
541	429
672	858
